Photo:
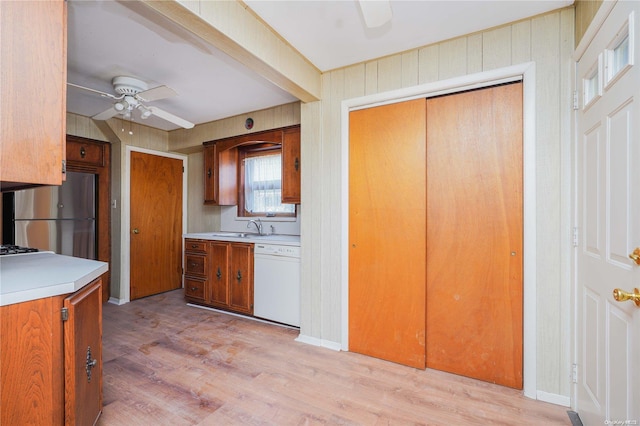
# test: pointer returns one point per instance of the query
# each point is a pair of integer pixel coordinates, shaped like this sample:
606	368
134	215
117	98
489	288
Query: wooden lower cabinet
241	278
51	368
219	274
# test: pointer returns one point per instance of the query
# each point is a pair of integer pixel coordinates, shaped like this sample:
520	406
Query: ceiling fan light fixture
376	13
144	113
120	106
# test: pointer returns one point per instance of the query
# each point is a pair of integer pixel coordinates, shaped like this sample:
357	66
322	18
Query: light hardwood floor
166	363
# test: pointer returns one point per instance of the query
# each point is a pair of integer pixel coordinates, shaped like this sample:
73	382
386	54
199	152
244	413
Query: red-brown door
156	224
474	234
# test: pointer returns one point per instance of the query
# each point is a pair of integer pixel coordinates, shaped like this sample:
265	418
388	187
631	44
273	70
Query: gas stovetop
11	249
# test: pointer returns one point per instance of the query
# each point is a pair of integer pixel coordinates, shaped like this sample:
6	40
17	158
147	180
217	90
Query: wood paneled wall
547	40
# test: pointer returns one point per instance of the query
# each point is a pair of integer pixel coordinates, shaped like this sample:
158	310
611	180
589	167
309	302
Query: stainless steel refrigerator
61	219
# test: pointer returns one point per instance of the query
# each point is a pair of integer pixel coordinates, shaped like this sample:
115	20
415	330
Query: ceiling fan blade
170	117
106	114
160	92
106	95
375	12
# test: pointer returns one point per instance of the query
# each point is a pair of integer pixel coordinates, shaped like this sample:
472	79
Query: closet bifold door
387	210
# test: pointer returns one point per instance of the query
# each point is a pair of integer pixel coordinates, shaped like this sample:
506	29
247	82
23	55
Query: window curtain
263	185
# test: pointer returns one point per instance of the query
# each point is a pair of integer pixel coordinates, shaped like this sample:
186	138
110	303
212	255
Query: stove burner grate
13	249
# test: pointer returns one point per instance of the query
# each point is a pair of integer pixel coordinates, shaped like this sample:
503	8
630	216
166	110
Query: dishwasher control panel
277	250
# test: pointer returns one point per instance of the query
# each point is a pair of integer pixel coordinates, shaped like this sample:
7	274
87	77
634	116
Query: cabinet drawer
195	245
195	264
194	288
85	153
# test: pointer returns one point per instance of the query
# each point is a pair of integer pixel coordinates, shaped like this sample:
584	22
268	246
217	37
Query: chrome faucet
257	223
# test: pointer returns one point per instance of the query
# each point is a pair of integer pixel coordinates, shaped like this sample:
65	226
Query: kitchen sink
232	234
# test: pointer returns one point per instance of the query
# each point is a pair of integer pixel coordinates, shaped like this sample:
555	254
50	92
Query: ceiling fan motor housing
128	86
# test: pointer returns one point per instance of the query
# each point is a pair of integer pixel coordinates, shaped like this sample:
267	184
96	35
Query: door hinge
574	373
65	314
574	237
64	167
182	169
575	100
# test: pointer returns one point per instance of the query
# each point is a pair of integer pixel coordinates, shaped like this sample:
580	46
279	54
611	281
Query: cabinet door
220	176
241	278
83	355
210	180
33	49
291	166
218	293
31	366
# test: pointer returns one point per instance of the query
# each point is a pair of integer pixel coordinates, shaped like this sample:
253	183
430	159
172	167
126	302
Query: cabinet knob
219	273
296	164
209	172
239	276
83	152
194	288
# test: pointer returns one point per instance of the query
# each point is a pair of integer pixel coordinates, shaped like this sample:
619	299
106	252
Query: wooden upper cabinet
291	166
33	50
84	152
221	165
220	176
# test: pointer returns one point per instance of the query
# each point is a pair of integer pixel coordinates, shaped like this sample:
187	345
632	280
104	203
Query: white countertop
283	240
25	277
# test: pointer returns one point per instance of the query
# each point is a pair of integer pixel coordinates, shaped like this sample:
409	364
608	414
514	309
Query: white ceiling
111	38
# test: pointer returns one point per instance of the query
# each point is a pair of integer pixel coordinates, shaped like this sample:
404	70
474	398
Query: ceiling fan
132	94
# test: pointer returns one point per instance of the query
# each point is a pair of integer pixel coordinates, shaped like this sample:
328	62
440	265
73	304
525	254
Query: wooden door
474	234
83	355
608	208
156	224
387	232
241	277
219	274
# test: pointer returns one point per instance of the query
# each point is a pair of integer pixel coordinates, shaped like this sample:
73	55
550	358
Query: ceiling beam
233	28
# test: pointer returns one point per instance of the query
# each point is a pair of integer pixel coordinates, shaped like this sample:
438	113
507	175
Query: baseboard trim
553	398
116	301
335	346
193	305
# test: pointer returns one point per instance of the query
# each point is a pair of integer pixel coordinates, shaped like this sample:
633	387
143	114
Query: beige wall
546	40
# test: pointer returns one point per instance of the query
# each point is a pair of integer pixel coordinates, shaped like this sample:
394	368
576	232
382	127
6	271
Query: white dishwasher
276	285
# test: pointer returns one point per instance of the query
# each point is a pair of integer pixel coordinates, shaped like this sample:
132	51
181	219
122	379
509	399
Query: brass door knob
135	231
635	256
621	296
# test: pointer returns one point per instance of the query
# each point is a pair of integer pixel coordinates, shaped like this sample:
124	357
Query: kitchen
321	225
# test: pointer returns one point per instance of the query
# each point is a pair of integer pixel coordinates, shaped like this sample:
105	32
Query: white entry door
608	222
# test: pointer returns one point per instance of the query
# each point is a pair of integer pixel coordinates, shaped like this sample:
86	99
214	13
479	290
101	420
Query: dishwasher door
276	288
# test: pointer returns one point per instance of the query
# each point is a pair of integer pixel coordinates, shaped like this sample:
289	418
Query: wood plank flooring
166	363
